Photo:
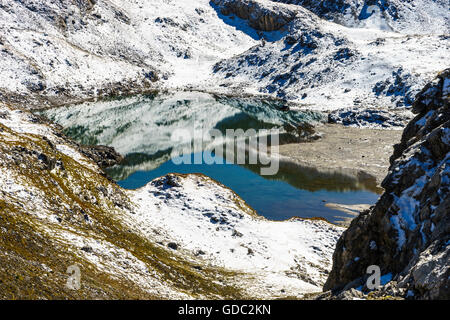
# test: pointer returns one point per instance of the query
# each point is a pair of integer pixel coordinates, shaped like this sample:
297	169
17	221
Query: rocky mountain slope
54	52
310	52
407	233
410	17
320	64
181	236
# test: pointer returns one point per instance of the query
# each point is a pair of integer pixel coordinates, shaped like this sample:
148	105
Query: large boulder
407	233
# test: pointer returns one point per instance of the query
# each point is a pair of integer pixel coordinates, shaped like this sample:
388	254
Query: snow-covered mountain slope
410	17
65	51
325	65
181	236
210	221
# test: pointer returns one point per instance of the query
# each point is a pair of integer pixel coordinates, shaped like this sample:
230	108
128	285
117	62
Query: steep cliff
407	233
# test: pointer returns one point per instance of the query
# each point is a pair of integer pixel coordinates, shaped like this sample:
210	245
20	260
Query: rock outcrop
262	15
407	233
104	156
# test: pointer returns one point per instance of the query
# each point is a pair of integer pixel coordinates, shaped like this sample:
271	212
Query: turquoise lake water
272	197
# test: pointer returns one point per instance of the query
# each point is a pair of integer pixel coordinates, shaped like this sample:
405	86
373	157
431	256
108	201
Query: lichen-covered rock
407	233
104	156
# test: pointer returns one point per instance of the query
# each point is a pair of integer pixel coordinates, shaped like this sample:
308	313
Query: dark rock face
407	233
104	156
261	16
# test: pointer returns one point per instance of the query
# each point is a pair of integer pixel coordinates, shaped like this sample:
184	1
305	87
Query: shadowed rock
261	15
104	156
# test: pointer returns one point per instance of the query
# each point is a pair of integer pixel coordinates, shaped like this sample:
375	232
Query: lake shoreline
347	150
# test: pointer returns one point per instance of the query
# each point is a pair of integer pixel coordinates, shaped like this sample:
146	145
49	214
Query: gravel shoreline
358	152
